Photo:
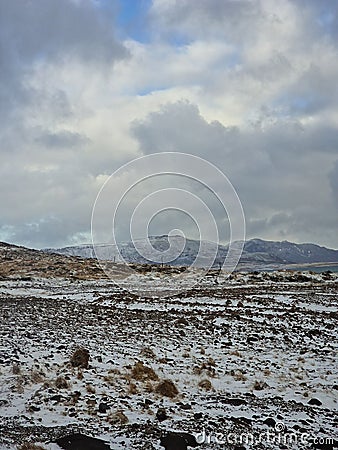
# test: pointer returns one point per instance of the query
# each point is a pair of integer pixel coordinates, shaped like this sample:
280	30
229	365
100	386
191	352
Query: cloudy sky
88	85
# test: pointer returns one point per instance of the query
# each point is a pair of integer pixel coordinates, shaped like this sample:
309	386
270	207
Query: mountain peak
256	252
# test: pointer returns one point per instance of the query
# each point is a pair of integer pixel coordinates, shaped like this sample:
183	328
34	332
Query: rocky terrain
243	362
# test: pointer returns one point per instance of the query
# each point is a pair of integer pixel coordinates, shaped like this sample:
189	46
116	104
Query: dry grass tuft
148	353
207	368
117	418
80	358
205	384
132	389
238	375
259	385
16	369
167	389
148	387
61	383
30	446
90	389
36	377
140	372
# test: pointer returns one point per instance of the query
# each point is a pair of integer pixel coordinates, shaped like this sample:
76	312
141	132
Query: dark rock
184	406
81	442
178	441
103	407
161	414
245	420
234	401
33	408
270	422
315	402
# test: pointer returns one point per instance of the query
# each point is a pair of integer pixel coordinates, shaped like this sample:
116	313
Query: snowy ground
253	359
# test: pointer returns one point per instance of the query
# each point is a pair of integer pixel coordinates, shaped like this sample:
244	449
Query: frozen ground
253	358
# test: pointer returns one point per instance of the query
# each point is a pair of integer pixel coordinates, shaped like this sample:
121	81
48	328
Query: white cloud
248	84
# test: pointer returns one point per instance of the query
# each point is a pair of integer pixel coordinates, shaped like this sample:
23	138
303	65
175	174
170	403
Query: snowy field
245	363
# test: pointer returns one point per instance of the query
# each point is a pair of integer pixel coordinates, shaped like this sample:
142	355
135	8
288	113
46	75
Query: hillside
255	252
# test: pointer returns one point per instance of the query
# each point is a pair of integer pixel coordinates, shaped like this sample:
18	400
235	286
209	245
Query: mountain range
256	252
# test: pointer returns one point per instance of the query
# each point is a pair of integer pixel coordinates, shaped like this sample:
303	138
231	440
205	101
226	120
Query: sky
88	85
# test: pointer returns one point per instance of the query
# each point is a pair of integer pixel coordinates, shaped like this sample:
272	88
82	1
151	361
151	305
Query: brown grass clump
132	389
61	383
235	353
117	418
238	375
80	358
259	385
140	372
207	368
148	353
205	384
30	446
16	370
167	389
90	389
148	387
36	377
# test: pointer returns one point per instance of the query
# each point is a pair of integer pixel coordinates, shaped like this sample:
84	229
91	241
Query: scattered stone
80	441
103	407
56	398
178	441
270	422
315	402
161	414
234	401
260	385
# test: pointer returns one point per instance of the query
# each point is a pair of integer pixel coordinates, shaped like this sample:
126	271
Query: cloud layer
250	85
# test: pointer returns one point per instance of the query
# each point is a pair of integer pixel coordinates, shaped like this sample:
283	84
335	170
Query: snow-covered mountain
256	251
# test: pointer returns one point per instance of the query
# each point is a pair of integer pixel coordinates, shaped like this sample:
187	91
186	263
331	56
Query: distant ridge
256	252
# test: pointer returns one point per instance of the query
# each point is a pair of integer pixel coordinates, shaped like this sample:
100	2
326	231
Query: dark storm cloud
333	177
51	190
48	28
65	139
41	30
280	172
